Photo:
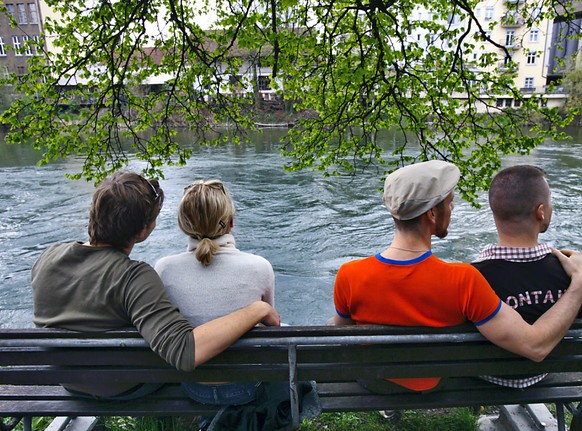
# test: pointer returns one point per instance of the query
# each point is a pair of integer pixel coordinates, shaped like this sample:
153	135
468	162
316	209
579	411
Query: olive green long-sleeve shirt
93	289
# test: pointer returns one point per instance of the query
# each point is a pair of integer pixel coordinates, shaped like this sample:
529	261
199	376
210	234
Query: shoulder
172	260
358	264
61	248
461	267
552	260
140	277
465	272
234	254
138	267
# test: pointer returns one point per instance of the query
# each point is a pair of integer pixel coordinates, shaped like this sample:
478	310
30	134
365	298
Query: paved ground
534	417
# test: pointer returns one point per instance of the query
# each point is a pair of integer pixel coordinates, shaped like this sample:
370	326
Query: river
306	225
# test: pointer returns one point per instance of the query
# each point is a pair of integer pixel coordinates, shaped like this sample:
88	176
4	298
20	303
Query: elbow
538	357
537	354
187	367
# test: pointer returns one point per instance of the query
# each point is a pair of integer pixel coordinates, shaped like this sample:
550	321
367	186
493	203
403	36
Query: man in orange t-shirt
407	285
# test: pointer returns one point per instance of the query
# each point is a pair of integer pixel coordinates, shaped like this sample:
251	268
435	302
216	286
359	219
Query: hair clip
222	224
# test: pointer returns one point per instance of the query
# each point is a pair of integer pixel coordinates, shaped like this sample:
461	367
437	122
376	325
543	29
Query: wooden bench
34	361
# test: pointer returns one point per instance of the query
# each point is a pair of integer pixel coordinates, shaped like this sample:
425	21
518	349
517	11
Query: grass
459	419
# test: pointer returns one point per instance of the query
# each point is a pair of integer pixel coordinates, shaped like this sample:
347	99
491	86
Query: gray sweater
233	280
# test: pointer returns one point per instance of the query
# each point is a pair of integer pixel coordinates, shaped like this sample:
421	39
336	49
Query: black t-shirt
529	287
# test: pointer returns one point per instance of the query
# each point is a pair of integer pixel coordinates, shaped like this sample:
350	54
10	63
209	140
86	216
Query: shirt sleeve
159	321
268	280
481	301
341	293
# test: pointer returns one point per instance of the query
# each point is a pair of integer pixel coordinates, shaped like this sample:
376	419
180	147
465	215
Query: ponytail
206	250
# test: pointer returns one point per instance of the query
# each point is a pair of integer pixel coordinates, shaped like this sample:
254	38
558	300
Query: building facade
532	53
20	35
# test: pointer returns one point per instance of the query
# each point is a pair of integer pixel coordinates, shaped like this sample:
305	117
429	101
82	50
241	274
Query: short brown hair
122	206
516	192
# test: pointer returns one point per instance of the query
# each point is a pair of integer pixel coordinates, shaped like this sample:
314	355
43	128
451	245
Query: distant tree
350	62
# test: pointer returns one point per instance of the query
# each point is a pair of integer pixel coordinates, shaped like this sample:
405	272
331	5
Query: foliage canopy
351	63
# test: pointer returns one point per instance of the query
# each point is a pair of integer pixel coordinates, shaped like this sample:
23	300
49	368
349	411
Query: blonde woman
213	278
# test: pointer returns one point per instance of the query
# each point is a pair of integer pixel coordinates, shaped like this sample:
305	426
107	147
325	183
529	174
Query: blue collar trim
404	262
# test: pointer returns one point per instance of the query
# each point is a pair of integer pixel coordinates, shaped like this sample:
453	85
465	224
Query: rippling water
304	224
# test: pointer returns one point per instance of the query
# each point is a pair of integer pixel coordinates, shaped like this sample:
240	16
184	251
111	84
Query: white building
529	52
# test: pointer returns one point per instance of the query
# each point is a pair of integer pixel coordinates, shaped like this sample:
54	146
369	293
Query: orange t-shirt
425	291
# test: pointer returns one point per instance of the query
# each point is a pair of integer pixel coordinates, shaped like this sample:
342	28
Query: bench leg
27	423
560	417
576	424
293	391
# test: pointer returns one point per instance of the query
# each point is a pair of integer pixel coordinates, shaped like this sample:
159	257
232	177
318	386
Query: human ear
540	212
431	214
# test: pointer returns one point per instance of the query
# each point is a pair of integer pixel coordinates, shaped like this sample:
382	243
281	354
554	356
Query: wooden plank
259	332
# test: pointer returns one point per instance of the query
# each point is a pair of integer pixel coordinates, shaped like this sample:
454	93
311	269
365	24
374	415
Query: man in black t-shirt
524	273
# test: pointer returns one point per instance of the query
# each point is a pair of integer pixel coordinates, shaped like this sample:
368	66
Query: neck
126	250
517	240
405	247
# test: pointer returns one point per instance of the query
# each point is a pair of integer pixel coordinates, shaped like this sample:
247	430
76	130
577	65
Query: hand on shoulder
571	261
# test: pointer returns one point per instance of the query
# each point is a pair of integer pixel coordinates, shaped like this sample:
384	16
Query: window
529	83
454	19
531	57
508	59
509	37
22	16
534	35
2	48
235	81
16	45
264	83
517	103
511	17
33	13
27	47
10	9
489	13
36	44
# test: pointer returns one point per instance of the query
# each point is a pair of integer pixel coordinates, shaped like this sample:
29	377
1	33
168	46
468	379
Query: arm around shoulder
508	330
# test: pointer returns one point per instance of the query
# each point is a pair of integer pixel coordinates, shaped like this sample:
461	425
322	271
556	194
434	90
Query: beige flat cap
413	190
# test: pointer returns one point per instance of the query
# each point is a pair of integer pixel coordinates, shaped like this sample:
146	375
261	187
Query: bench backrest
322	353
